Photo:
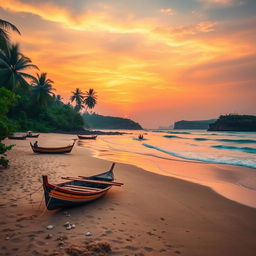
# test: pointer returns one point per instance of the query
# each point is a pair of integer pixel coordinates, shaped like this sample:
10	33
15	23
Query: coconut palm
58	99
42	89
78	97
12	66
5	27
90	99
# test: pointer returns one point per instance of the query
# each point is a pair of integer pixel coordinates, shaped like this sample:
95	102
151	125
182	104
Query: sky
154	61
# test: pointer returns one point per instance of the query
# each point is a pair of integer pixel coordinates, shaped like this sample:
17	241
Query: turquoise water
225	161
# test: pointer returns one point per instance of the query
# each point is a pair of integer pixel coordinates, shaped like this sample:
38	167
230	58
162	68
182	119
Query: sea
223	161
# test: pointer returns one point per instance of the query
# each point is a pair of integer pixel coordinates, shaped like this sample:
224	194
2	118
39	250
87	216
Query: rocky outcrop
239	123
193	125
109	122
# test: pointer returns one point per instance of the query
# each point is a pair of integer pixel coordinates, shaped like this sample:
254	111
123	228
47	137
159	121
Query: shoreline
150	215
232	191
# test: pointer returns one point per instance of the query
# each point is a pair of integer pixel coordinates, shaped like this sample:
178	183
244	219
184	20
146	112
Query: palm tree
58	99
90	99
5	26
42	89
78	97
12	66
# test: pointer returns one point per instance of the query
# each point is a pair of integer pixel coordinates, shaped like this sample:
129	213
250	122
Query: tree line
28	102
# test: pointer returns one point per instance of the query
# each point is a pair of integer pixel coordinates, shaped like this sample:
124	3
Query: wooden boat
17	137
33	135
78	191
59	150
81	137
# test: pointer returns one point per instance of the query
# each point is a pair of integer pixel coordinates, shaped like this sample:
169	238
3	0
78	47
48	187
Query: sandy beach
150	215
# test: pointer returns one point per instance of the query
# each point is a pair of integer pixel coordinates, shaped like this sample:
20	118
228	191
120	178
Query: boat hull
87	137
17	137
76	192
60	150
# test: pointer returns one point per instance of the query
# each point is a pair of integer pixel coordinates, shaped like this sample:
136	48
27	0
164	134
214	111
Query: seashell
50	227
88	233
66	224
68	227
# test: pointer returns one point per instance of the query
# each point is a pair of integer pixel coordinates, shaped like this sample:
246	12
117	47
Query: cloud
212	3
168	11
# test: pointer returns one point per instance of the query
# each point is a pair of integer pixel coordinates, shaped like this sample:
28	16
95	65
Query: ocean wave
239	141
243	149
206	160
180	132
201	139
173	136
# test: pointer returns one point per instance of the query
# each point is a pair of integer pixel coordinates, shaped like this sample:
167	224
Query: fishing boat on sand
77	191
31	135
81	137
17	137
56	150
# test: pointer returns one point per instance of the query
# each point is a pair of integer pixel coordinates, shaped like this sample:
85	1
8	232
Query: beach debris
61	238
61	244
67	224
49	227
68	227
99	248
88	233
49	236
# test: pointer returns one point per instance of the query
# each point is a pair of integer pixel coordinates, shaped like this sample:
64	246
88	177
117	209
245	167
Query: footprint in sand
131	248
148	249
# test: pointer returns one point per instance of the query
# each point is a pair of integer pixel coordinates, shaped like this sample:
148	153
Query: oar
95	181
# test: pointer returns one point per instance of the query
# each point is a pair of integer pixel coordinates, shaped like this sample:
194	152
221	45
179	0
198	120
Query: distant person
36	144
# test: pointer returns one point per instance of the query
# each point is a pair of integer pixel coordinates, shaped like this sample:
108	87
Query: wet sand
150	215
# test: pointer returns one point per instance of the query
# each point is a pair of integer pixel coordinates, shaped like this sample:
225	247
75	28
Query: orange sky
153	61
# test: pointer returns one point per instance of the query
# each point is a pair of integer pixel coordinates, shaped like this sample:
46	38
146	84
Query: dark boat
17	137
33	135
59	150
81	137
79	190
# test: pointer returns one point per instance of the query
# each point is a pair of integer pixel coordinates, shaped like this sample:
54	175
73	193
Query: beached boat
59	150
33	135
17	137
77	191
81	137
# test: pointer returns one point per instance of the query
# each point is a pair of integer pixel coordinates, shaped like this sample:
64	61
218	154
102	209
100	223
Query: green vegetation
86	100
28	102
109	122
7	99
234	122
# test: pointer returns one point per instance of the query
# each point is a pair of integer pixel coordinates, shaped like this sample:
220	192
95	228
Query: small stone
49	227
7	237
49	236
68	227
66	224
73	225
61	244
88	233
